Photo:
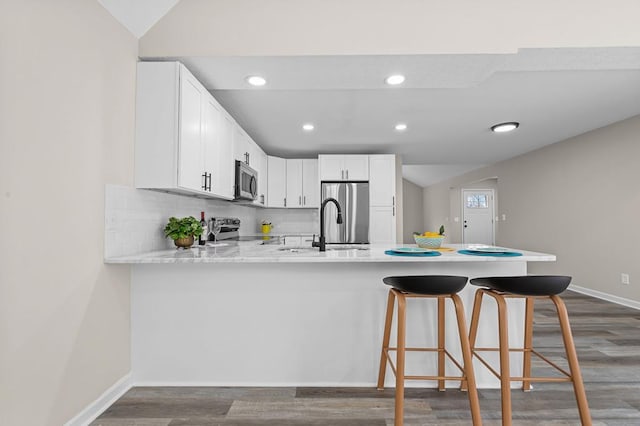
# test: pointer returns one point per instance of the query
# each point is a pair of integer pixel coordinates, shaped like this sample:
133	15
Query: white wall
67	94
413	210
321	27
578	199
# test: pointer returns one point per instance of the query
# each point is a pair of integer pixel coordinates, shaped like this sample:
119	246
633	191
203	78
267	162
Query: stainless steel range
223	228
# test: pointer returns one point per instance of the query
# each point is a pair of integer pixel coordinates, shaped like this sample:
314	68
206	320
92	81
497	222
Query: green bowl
428	242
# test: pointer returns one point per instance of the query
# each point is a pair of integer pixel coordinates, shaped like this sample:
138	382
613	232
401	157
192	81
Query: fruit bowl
428	242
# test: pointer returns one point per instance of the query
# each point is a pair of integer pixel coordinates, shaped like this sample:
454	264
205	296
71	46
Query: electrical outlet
624	278
504	217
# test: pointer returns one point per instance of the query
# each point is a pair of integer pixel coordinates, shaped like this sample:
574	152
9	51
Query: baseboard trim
252	384
97	407
605	296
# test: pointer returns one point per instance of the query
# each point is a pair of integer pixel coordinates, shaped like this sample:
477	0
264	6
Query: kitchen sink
347	247
297	249
355	247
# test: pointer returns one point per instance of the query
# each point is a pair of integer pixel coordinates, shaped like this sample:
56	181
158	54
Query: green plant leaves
182	228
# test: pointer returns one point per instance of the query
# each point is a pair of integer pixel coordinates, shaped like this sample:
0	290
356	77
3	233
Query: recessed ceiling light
256	80
307	127
401	127
505	127
394	80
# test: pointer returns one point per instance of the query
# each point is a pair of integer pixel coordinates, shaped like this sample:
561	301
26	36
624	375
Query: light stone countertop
255	252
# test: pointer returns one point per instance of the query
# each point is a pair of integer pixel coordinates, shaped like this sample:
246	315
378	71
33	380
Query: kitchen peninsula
247	314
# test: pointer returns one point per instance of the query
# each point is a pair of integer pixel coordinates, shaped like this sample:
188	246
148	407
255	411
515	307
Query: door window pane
477	201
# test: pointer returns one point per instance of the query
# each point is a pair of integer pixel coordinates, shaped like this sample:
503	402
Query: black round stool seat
427	284
527	285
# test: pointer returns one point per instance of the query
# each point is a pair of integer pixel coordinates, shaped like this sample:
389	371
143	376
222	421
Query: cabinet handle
299	200
209	182
204	181
393	200
304	200
285	201
347	174
393	211
342	174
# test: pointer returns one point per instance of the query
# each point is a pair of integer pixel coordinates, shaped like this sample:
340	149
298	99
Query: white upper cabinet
276	181
310	183
382	199
294	184
382	180
260	163
178	126
303	186
344	167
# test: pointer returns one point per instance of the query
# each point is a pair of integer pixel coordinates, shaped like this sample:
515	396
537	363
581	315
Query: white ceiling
448	102
138	16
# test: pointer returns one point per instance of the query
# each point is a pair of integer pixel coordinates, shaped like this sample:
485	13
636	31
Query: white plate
483	249
410	250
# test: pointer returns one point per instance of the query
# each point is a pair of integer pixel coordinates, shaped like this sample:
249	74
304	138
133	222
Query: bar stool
530	288
439	287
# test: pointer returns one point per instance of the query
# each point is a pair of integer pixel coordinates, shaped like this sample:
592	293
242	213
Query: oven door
246	182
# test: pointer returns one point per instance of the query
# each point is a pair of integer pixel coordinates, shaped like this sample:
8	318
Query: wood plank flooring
607	338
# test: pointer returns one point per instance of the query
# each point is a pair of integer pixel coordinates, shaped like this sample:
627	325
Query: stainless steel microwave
246	182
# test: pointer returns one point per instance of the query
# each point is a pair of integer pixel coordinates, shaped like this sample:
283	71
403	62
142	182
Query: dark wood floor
607	337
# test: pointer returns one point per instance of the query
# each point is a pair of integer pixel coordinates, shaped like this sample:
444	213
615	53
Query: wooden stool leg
468	362
528	343
441	383
505	374
473	327
572	359
385	340
399	412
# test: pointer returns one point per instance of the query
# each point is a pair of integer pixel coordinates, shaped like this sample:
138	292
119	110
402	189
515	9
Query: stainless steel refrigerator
354	202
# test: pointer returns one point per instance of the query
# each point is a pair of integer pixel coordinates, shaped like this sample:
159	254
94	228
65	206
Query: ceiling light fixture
256	80
394	80
308	127
505	127
401	127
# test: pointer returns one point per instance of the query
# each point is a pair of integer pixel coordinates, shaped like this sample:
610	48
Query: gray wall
413	213
578	199
67	85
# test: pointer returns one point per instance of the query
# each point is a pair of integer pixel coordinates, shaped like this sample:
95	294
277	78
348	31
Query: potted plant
182	231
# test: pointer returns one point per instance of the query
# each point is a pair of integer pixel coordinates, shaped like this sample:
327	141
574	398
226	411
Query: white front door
477	216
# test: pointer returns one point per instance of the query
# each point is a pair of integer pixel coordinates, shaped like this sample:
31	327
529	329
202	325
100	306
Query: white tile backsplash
291	221
135	218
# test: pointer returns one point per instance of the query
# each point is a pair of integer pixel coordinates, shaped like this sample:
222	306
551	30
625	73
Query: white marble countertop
255	252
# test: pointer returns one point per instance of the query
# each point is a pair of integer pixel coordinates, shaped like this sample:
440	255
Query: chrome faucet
321	241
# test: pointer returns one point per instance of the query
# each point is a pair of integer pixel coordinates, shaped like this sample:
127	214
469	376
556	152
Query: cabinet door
227	162
259	162
310	183
210	142
382	225
382	180
190	171
356	167
276	181
331	167
240	144
294	184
